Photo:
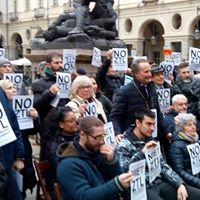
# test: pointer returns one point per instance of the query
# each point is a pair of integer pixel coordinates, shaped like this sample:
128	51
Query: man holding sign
138	144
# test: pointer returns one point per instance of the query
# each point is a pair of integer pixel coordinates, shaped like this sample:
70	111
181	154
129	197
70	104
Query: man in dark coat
137	94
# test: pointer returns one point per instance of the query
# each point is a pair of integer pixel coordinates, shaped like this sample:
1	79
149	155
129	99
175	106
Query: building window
27	4
55	2
41	4
70	3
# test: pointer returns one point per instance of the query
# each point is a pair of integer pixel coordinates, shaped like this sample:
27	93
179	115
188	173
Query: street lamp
196	31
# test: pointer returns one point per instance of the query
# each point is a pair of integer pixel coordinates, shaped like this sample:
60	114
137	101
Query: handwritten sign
69	60
163	99
120	59
96	58
153	162
194	152
90	110
21	106
194	58
64	82
138	183
16	79
109	137
6	133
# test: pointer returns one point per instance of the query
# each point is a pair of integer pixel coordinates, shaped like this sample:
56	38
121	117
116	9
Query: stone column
138	45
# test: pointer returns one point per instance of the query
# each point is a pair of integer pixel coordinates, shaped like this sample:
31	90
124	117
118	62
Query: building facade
144	25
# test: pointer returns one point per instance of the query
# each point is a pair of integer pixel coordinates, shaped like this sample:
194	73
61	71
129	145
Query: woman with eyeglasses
83	101
28	171
59	126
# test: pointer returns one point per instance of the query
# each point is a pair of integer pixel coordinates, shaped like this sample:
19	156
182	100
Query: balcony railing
39	12
13	16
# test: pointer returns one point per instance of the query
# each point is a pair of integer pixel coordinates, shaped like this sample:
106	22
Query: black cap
156	69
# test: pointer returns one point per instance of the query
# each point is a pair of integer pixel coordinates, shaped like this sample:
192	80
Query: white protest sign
6	133
194	58
155	131
127	79
139	57
153	155
120	59
194	152
16	79
176	57
64	82
55	101
109	132
168	68
133	53
2	52
90	110
21	106
138	183
69	60
96	57
163	99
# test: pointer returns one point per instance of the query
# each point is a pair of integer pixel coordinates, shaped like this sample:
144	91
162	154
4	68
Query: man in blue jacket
89	169
12	153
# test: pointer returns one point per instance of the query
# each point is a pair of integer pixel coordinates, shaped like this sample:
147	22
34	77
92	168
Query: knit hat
4	61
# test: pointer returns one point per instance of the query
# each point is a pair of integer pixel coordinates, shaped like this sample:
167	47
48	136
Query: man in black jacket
137	94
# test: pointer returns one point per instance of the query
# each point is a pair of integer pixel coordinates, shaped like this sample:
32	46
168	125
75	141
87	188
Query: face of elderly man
180	106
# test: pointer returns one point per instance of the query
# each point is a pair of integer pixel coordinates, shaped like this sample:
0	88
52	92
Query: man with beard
185	83
89	169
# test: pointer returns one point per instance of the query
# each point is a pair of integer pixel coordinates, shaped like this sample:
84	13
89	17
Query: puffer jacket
129	150
180	161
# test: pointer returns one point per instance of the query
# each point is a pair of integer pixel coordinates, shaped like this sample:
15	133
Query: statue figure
100	22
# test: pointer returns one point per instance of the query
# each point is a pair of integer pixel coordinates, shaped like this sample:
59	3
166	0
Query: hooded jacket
86	176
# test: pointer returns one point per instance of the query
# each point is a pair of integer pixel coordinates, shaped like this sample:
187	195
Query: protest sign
168	68
176	57
153	161
6	133
127	79
55	101
21	106
163	99
194	58
138	183
194	152
16	79
109	137
120	59
90	110
133	53
96	57
155	131
64	82
2	52
69	60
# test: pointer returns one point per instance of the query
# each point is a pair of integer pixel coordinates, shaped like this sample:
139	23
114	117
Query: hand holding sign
148	145
125	179
81	108
54	89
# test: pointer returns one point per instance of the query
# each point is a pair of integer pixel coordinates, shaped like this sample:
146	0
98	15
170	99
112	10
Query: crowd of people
73	142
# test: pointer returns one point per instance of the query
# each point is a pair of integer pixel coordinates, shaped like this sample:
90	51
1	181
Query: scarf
187	137
49	72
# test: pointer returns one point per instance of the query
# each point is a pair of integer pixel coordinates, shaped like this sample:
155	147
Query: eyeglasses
85	87
98	138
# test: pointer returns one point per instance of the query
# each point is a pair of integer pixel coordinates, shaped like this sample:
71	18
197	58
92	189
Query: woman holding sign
29	178
185	149
83	101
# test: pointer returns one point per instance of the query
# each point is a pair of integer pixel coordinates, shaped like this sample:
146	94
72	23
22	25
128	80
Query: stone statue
100	22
